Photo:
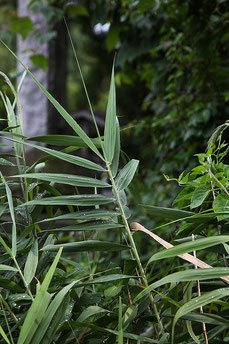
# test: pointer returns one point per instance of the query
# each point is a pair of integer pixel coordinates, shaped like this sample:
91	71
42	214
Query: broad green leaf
68	179
4	336
184	276
120	322
85	215
199	196
89	311
115	161
7	268
200	301
64	140
190	246
89	226
50	312
76	160
221	204
168	213
77	200
89	245
31	262
125	176
39	306
60	109
110	122
11	207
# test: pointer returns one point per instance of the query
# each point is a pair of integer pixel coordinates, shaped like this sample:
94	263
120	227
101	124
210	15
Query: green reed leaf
126	175
115	161
89	245
31	262
110	122
68	179
89	226
64	140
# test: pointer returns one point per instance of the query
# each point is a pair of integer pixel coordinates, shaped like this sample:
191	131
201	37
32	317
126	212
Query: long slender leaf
184	276
200	301
77	200
168	213
68	179
31	262
190	246
85	215
115	161
125	176
60	109
64	140
50	312
39	306
4	336
89	226
76	160
89	245
89	311
110	125
120	328
7	268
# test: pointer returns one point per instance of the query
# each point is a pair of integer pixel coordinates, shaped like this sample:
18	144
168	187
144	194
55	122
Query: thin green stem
134	249
23	278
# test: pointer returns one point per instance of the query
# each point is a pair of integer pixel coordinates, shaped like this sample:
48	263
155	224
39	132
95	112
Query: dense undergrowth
72	269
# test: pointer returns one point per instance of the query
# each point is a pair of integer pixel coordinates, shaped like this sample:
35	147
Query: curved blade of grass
39	305
7	268
190	246
4	336
110	122
89	245
106	279
50	313
64	140
126	175
84	215
68	179
77	200
89	226
129	316
31	262
184	276
76	160
60	109
200	301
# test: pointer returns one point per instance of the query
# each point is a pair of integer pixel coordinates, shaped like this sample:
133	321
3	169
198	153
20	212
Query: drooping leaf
69	119
126	175
199	196
89	311
110	122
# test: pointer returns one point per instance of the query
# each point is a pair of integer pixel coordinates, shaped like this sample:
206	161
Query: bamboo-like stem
134	249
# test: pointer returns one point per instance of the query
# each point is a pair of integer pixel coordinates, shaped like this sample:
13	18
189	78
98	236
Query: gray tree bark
34	103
